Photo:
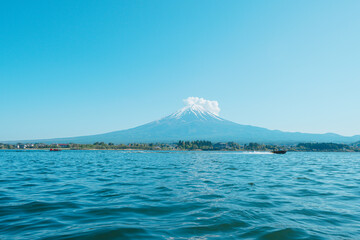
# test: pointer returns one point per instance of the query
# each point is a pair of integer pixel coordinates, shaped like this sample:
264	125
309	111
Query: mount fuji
197	122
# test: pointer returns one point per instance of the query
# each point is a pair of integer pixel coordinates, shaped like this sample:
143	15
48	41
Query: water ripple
178	195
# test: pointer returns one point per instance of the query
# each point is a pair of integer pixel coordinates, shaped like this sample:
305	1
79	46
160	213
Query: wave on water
187	195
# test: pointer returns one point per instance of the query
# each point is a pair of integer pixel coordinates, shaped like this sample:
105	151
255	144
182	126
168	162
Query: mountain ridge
194	122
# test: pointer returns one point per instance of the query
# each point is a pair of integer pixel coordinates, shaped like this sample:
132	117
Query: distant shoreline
160	150
198	145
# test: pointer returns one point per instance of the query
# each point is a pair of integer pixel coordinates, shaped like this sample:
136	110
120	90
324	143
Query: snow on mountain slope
196	112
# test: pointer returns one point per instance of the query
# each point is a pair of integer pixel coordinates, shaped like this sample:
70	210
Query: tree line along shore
198	145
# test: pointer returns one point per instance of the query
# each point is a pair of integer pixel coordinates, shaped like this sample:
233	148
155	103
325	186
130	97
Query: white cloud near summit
211	106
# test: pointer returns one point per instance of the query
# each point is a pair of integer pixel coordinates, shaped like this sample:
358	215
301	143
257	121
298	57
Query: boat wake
257	153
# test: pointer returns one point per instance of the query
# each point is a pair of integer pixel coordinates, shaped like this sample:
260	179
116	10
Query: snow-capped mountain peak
194	111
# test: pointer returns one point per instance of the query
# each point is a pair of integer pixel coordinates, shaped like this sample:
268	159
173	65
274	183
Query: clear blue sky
70	68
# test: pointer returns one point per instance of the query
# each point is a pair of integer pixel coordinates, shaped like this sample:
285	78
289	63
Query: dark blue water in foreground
179	195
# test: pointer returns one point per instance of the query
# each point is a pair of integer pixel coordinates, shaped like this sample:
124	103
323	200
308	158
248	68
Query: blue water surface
178	195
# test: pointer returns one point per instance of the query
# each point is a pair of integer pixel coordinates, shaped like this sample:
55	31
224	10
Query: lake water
178	195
